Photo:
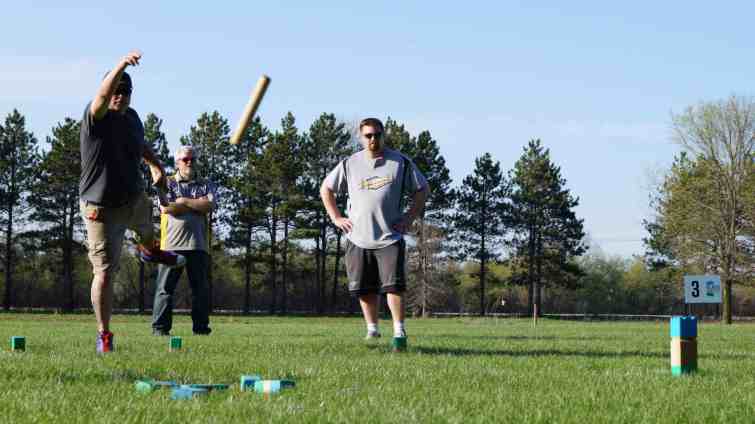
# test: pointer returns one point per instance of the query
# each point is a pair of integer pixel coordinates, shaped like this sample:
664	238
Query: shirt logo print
375	183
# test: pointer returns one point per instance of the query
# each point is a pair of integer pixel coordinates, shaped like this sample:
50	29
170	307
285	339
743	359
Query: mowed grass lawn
455	370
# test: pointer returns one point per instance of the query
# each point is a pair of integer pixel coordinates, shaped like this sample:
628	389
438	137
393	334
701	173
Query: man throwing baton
111	192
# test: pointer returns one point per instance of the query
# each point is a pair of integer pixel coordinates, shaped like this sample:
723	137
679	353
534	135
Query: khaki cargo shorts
106	229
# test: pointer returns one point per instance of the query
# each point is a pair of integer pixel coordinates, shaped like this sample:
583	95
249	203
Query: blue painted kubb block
684	327
149	385
187	392
247	381
209	387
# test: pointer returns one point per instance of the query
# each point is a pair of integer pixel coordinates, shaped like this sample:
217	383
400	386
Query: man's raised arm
101	100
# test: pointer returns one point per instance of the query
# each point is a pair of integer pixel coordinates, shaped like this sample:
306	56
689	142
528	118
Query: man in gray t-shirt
376	179
111	194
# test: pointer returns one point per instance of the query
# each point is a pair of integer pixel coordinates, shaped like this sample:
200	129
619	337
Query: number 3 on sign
695	288
702	289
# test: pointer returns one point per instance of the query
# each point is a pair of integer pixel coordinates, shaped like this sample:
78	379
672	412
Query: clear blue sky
596	81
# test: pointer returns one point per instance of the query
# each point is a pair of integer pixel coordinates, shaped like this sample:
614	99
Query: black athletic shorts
376	270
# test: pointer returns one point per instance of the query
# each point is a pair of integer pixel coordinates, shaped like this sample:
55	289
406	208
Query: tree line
498	237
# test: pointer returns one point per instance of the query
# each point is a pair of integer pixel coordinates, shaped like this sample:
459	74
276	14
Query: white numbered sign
702	289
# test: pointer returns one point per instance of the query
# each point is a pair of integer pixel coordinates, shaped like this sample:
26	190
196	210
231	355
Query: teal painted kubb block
684	369
684	327
175	343
18	343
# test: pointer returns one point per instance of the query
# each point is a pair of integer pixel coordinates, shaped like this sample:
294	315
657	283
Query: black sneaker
203	331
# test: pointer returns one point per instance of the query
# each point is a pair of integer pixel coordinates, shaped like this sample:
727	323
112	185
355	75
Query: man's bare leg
396	305
102	301
369	304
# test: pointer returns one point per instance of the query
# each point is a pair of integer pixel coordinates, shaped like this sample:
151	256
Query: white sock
372	327
398	329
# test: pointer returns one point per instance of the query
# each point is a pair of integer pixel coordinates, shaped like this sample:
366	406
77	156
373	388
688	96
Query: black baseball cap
126	82
125	85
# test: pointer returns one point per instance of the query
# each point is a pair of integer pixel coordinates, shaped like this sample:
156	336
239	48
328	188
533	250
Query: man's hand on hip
403	225
344	224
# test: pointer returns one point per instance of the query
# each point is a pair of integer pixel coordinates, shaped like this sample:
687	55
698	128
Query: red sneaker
105	342
159	256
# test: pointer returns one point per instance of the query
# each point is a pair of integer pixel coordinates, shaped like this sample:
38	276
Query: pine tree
19	160
323	148
478	222
55	203
155	138
247	218
546	232
277	174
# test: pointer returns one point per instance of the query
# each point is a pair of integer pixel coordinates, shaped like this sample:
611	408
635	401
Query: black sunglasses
123	91
376	136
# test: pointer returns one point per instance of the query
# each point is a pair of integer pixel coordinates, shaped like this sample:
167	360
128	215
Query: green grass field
455	370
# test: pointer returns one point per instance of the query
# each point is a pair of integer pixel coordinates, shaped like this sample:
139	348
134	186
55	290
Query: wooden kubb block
683	355
272	386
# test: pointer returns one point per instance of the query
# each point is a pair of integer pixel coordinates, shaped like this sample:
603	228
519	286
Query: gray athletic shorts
376	270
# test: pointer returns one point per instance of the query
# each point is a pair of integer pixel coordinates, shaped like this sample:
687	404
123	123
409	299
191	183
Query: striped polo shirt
189	231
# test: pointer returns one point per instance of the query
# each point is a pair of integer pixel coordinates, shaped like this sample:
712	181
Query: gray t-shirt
189	231
374	188
111	151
